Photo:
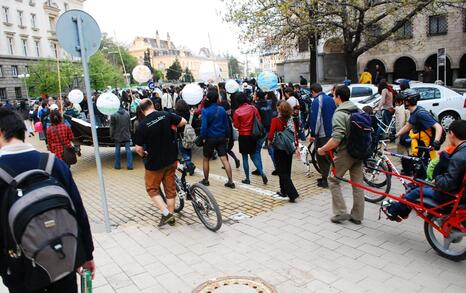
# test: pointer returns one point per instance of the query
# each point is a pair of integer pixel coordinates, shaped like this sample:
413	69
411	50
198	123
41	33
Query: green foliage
102	73
174	71
188	75
233	67
158	75
112	51
44	77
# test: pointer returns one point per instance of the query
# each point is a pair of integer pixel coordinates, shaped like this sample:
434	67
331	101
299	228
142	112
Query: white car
447	104
360	91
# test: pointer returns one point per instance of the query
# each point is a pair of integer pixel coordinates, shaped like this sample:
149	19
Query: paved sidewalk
295	248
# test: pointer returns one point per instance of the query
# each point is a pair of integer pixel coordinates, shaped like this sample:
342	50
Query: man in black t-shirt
156	143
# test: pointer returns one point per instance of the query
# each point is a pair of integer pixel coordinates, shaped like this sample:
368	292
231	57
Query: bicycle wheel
311	158
206	207
452	247
180	195
374	178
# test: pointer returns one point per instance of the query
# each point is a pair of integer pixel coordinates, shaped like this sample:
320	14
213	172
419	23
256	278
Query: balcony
51	8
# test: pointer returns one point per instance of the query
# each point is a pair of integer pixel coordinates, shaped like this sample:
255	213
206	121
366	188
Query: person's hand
312	139
321	152
436	145
88	265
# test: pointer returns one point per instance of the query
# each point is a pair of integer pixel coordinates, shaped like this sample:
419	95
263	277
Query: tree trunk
351	64
312	59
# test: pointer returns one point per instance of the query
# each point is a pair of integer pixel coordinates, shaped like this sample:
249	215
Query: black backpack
41	238
359	141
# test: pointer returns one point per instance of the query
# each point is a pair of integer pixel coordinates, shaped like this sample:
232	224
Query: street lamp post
25	77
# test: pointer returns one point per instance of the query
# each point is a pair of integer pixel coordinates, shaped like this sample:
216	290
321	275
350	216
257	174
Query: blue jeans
129	155
260	143
186	155
256	162
400	209
271	151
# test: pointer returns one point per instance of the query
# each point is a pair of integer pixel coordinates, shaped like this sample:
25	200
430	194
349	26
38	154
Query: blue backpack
359	140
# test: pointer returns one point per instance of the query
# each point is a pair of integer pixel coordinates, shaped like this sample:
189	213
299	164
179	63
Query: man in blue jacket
320	123
20	157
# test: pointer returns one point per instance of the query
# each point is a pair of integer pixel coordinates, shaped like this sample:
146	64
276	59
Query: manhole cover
235	285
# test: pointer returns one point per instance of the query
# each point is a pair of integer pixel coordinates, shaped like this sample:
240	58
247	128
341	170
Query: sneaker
384	208
230	185
256	172
246	181
237	163
274	173
338	219
204	182
116	168
166	219
322	183
172	222
264	179
129	168
354	221
281	194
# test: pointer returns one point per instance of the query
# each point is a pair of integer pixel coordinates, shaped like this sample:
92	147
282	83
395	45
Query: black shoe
246	181
237	164
191	170
281	194
166	219
293	199
256	172
274	173
130	168
230	185
354	221
204	182
322	183
172	222
264	179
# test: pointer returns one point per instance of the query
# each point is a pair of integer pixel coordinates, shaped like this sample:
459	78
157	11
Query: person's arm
382	100
236	120
69	133
438	131
258	115
330	145
452	180
204	124
314	116
182	123
404	129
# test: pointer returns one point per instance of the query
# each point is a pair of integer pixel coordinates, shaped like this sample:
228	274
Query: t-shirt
157	135
420	119
292	101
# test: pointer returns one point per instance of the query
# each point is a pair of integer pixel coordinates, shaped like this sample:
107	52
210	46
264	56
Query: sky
189	22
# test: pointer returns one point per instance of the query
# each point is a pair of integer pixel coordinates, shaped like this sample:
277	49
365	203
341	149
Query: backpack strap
5	176
191	116
50	160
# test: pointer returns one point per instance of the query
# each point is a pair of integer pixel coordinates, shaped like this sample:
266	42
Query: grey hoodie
120	126
341	123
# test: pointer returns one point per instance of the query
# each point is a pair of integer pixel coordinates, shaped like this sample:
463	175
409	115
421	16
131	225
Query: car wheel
447	118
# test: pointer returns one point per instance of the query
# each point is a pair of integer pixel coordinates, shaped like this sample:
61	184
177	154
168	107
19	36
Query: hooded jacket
120	126
341	123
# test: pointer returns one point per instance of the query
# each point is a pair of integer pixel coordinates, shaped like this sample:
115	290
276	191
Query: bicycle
311	158
381	167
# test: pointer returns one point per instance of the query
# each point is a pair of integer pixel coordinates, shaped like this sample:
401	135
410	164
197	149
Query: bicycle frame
384	127
454	219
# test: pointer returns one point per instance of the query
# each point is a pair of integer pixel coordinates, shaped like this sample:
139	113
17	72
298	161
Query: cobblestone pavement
294	247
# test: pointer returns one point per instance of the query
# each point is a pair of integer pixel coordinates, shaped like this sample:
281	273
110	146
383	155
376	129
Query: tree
158	75
112	51
276	25
43	77
174	71
188	75
102	73
233	67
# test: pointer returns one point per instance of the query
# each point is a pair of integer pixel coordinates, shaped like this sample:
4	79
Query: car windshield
370	99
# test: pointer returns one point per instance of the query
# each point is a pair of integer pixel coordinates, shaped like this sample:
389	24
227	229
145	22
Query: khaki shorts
166	176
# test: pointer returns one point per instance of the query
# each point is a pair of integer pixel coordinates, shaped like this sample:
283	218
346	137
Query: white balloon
208	70
192	94
76	96
108	103
141	73
232	86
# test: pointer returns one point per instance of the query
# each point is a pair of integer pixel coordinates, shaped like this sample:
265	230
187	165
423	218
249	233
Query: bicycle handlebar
423	148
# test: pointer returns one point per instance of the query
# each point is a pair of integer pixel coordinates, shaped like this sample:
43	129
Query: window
3	93
33	21
464	20
18	93
1	70
66	6
357	92
14	70
52	23
6	17
54	49
303	44
20	18
428	93
25	46
406	31
26	69
11	45
37	46
438	25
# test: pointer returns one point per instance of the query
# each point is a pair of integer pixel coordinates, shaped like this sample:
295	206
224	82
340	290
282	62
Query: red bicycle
444	223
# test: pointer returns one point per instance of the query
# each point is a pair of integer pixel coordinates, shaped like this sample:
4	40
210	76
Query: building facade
163	53
27	34
413	49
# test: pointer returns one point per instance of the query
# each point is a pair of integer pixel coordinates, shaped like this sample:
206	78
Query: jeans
400	209
256	162
129	155
271	151
260	143
186	155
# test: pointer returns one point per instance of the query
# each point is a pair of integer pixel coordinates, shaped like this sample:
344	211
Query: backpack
40	233
189	135
285	140
359	140
258	130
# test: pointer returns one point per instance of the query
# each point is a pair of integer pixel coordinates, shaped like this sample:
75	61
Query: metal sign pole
445	67
93	123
